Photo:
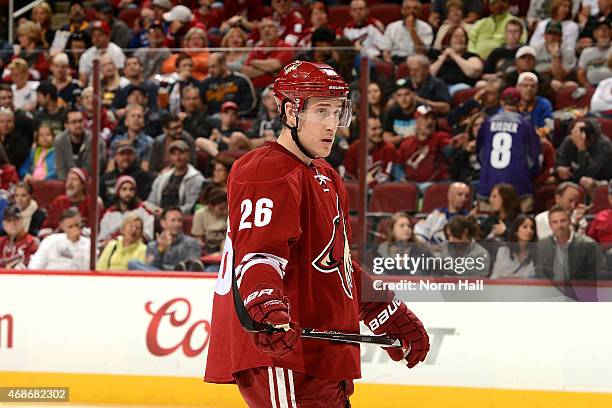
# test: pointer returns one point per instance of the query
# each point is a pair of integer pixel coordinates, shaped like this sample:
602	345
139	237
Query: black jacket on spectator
450	72
594	162
144	180
235	87
500	59
434	89
198	125
18	143
150	87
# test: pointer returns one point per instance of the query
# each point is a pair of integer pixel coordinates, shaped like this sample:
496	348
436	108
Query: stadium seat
339	15
353	193
544	198
462	96
245	124
129	16
402	71
381	230
600	200
384	69
606	127
187	223
355	230
46	191
424	11
565	99
385	12
236	154
393	197
435	197
202	161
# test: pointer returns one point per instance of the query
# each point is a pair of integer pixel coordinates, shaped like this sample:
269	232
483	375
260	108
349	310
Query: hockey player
509	152
288	234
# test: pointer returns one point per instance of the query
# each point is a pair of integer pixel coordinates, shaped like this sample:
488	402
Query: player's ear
290	112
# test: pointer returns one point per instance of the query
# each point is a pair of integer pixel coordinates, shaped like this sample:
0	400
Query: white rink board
100	325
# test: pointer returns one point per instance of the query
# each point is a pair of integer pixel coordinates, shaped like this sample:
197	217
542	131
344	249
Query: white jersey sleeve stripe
282	390
271	383
291	388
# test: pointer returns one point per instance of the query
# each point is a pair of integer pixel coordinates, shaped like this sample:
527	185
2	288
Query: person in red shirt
76	196
288	240
422	157
381	156
601	227
263	65
17	246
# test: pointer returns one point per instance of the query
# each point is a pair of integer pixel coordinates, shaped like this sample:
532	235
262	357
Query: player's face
525	231
318	125
402	230
569	199
559	223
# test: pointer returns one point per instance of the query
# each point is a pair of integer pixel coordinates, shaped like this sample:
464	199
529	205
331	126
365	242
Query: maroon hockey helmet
301	80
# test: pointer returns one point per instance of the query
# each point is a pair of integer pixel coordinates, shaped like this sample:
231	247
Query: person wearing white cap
62	79
181	20
536	109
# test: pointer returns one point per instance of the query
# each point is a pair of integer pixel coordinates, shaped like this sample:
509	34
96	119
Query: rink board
111	339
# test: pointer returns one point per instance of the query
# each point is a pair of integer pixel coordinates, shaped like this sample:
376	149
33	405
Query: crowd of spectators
466	94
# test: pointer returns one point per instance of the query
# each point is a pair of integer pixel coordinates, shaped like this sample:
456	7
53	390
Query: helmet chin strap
296	139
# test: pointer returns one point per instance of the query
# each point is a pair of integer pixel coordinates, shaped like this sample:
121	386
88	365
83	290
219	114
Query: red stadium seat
355	230
353	193
187	223
606	127
544	198
565	99
393	197
600	200
402	71
424	11
384	69
385	12
339	15
462	96
245	124
129	16
436	197
46	191
381	230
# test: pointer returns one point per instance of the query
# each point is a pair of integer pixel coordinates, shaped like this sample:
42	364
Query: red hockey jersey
423	160
293	218
378	165
16	254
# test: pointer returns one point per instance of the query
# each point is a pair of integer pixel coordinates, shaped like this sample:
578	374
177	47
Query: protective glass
325	113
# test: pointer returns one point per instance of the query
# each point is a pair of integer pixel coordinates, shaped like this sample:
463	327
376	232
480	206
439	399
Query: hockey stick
251	325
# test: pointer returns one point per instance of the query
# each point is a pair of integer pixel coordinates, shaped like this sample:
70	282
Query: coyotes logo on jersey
336	256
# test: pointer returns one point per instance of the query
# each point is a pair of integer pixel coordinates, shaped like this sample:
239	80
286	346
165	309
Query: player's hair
459	225
6	88
69	111
420	58
394	220
169	209
562	188
189	88
454	3
133	57
69	213
511	202
557	208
